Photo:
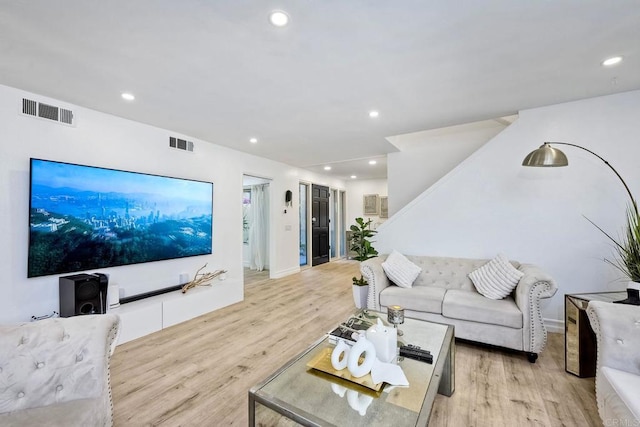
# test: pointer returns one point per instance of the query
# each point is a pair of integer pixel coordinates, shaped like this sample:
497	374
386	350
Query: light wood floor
252	277
198	373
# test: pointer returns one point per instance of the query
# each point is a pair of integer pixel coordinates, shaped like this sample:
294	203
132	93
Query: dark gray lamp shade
545	156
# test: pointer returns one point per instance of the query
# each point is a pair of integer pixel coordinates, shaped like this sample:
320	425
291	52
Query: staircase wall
490	203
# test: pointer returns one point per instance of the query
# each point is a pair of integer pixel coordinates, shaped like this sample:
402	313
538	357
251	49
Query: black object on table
414	352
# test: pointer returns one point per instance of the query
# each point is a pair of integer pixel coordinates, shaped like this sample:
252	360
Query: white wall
427	156
490	203
355	190
108	141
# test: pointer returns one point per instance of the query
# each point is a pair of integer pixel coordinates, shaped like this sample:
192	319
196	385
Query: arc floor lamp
547	156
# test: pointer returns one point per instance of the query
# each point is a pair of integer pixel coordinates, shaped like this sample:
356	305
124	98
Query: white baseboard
554	325
283	273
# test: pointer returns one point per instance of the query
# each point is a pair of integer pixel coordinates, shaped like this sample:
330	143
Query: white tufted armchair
617	328
55	372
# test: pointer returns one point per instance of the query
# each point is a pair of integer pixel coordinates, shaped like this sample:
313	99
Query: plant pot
633	294
360	295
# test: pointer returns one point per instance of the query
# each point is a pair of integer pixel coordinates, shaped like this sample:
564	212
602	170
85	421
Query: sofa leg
532	357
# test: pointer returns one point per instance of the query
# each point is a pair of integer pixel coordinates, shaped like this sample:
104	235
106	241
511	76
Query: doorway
320	221
304	224
343	224
255	227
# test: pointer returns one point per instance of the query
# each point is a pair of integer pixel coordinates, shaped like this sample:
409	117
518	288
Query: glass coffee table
299	395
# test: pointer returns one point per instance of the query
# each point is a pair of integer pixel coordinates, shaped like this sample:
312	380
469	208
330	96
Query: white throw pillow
400	270
497	278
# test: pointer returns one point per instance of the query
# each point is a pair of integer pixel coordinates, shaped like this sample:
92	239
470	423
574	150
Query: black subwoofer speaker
83	294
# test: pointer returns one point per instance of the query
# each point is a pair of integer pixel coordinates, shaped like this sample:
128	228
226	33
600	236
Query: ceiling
217	70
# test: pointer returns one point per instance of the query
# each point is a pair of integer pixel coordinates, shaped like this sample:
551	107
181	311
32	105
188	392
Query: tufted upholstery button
40	365
21	395
79	357
620	341
59	387
24	340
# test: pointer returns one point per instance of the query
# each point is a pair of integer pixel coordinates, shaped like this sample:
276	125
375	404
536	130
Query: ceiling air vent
46	111
180	144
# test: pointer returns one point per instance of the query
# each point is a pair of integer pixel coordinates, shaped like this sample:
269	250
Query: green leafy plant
628	247
359	282
361	232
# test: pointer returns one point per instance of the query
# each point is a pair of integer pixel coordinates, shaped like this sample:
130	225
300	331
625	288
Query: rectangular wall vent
180	144
66	116
46	111
29	107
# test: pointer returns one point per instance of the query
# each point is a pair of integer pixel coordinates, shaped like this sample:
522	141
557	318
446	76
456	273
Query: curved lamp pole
547	156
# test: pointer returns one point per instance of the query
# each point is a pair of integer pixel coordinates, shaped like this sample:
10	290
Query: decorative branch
202	279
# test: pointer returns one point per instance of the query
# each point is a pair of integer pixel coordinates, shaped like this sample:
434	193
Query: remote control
416	353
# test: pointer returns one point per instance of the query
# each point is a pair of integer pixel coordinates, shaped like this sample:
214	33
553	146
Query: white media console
148	315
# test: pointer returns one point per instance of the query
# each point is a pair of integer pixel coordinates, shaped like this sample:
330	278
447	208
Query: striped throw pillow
400	270
497	278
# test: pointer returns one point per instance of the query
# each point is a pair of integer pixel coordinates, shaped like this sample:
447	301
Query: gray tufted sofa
617	328
55	372
444	293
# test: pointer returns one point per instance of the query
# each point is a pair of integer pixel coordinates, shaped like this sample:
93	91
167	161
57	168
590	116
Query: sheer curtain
258	227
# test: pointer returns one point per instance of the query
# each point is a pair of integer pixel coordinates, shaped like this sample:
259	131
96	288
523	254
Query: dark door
319	224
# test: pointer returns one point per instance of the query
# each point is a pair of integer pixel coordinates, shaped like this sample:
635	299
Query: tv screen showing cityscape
86	218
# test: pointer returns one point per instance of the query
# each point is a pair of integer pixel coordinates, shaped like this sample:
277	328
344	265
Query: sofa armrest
58	360
533	286
617	328
372	271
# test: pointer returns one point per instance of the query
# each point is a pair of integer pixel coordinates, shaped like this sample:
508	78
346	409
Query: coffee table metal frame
442	381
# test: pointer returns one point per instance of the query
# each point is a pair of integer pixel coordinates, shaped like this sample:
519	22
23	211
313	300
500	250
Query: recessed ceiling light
372	162
327	168
278	18
373	114
353	177
128	96
253	140
612	61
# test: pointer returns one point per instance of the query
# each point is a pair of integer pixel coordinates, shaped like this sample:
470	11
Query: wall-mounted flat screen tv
86	218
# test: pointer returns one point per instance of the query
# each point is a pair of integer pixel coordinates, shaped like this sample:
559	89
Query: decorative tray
322	362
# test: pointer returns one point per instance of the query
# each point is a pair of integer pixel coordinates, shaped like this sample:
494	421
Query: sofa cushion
472	306
400	270
497	278
620	393
425	299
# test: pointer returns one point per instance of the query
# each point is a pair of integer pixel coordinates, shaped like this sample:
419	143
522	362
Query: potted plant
628	254
361	232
